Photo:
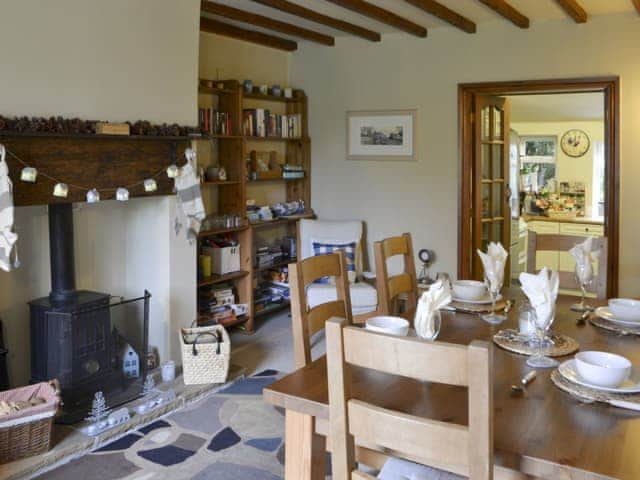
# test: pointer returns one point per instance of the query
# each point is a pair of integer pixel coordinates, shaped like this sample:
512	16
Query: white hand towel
542	292
585	258
437	297
494	262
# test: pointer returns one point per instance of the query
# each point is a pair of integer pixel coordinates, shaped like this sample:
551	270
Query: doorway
490	206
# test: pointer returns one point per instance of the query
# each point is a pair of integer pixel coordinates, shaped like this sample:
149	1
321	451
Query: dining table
543	433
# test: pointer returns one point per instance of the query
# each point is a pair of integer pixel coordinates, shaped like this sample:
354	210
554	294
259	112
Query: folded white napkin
494	262
437	297
399	469
584	257
542	292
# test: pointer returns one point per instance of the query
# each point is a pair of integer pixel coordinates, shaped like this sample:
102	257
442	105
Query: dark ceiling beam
574	10
209	25
381	15
265	22
507	11
636	3
443	13
313	16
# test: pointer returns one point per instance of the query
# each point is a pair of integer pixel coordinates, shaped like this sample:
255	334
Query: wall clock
575	143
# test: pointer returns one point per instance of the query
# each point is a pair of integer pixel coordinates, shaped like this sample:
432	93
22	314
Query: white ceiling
536	10
557	107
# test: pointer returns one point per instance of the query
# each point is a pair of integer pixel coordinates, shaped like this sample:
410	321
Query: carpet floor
230	434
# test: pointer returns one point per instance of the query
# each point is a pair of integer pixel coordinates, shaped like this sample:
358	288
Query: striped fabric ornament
190	204
8	238
349	253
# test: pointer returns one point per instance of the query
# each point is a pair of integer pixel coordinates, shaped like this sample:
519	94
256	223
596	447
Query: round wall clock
575	143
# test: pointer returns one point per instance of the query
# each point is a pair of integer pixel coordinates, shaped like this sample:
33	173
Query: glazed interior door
491	193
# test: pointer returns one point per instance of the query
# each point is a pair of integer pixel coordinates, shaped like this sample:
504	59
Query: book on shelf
259	122
215	122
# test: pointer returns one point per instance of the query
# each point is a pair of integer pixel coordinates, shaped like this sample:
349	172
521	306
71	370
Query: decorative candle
122	194
61	190
29	174
93	196
172	171
168	371
288	92
150	185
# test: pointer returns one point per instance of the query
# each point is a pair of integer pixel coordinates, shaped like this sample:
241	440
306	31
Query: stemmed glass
432	333
584	276
494	288
541	326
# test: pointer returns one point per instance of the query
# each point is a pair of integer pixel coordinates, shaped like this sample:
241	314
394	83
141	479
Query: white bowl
387	324
603	368
625	309
469	289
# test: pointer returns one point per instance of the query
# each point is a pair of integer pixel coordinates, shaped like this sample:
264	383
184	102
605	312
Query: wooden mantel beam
381	15
507	11
574	10
210	25
636	4
313	16
265	22
443	13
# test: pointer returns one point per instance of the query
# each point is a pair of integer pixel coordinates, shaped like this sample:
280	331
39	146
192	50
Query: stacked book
215	122
258	122
290	170
221	294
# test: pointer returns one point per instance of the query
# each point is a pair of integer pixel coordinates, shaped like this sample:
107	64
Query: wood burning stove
74	335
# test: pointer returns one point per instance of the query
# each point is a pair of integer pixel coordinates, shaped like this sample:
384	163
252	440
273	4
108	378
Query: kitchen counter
579	220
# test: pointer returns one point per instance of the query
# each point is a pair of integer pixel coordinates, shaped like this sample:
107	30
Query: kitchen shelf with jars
254	158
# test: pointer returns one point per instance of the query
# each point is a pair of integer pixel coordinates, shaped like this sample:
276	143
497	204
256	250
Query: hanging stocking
8	238
189	197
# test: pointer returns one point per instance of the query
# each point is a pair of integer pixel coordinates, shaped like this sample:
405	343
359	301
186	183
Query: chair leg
304	449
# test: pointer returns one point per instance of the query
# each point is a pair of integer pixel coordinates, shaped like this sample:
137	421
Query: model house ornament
130	361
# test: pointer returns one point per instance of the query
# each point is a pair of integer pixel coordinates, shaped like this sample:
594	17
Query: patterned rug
231	434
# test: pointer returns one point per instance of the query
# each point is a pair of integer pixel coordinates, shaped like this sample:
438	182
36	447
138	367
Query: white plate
568	370
481	301
605	314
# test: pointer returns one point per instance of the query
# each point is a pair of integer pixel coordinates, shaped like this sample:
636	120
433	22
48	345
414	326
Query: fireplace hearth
82	337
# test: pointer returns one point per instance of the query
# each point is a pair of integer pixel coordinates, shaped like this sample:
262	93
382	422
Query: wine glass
494	288
541	325
432	333
584	276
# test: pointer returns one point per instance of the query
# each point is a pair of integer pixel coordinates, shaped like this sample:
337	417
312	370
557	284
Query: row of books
258	122
215	122
292	171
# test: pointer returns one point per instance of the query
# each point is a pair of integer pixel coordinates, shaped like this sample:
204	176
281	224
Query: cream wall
116	60
569	169
405	72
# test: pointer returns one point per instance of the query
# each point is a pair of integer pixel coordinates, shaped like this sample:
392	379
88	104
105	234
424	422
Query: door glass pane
485	121
485	235
496	227
498	117
486	200
485	152
497	161
497	203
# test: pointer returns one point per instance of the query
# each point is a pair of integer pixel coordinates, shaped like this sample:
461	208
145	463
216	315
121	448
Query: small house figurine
130	361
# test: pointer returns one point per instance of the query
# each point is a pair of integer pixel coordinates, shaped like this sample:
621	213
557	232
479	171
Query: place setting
621	316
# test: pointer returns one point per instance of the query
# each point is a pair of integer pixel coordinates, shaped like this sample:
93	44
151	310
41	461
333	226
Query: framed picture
381	135
540	149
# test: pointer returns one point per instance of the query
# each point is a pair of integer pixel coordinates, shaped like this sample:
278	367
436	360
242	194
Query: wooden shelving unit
230	196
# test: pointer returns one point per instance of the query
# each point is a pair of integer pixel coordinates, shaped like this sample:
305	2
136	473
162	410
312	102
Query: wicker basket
205	354
28	432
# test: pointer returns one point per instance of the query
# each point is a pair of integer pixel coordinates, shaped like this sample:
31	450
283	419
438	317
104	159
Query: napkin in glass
494	262
437	297
585	257
542	291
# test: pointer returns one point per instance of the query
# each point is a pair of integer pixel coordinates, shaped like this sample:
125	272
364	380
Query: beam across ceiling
313	16
381	15
574	10
507	11
210	25
443	13
265	22
636	3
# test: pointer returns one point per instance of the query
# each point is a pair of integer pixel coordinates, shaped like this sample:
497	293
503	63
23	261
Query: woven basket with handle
205	354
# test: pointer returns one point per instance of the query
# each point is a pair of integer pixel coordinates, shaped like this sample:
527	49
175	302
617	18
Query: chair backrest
419	439
305	321
563	243
332	232
389	287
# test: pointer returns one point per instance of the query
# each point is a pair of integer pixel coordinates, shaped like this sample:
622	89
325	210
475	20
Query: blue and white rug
229	435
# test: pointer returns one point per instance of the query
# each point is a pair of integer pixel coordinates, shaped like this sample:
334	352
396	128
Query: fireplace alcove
79	336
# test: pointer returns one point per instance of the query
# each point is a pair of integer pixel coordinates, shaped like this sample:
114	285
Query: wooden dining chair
418	439
306	321
404	284
537	242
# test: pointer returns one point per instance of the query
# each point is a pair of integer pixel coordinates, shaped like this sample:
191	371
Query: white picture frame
539	148
387	135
